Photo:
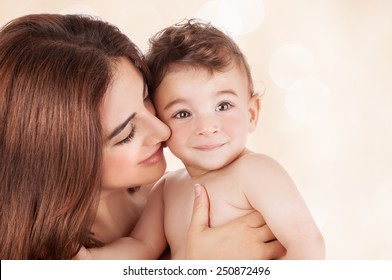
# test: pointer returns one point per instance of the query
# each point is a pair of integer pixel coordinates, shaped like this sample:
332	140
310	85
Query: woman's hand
247	237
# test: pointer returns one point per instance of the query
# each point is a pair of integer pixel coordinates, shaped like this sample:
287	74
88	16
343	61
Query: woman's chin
156	173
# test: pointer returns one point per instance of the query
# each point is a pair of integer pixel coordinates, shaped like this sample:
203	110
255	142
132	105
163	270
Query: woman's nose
163	130
158	131
150	107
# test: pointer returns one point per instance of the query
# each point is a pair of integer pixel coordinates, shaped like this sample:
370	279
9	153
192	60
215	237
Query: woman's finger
200	215
253	219
274	249
265	234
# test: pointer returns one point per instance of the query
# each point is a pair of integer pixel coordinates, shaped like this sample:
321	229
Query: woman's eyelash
129	137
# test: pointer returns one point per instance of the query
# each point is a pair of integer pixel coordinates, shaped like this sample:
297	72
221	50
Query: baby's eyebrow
226	91
174	102
182	100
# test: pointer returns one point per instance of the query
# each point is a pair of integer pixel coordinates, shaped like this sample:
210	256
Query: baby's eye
224	106
182	115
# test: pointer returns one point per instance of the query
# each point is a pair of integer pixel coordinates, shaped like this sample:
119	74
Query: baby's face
209	114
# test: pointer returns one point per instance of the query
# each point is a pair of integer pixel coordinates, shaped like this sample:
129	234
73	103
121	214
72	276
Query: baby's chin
201	169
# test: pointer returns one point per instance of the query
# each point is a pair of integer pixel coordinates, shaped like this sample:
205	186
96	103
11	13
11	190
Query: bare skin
202	239
137	161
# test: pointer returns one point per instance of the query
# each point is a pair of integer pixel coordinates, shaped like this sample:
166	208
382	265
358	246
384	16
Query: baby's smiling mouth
209	147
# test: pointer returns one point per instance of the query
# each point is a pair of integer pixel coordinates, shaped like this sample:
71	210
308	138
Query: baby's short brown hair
193	43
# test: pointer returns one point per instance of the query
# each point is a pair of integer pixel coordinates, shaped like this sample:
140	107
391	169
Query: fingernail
197	190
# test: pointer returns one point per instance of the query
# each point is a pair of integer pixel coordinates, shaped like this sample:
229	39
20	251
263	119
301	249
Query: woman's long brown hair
54	73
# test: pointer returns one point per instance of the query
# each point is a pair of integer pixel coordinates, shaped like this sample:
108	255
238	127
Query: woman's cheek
117	167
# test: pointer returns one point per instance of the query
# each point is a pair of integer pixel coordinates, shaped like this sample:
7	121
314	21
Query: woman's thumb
200	216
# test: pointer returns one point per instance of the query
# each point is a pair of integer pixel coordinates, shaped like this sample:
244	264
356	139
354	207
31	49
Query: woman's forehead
124	96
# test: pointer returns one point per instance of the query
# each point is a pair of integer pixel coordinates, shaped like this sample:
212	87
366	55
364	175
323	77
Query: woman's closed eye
129	137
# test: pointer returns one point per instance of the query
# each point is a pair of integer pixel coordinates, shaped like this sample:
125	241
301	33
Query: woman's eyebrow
121	127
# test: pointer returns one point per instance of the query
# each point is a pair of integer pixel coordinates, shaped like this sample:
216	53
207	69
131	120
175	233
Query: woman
80	144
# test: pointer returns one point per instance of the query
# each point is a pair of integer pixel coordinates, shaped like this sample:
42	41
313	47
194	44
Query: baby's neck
196	172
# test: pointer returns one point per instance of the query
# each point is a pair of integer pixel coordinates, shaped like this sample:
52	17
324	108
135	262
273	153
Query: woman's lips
154	158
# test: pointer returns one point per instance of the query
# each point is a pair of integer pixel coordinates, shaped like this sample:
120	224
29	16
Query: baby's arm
271	191
149	230
147	240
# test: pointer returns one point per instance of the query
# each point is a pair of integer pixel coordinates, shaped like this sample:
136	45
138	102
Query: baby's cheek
236	127
174	142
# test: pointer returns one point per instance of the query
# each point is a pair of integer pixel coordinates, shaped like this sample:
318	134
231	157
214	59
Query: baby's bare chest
226	203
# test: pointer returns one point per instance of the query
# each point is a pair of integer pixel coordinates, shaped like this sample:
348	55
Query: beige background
326	117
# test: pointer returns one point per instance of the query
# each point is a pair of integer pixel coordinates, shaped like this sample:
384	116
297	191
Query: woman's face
133	136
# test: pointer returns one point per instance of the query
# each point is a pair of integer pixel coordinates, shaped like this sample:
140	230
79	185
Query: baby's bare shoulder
175	178
254	168
176	174
253	160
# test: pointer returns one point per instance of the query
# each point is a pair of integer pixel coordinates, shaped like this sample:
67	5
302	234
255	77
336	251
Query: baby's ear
253	108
